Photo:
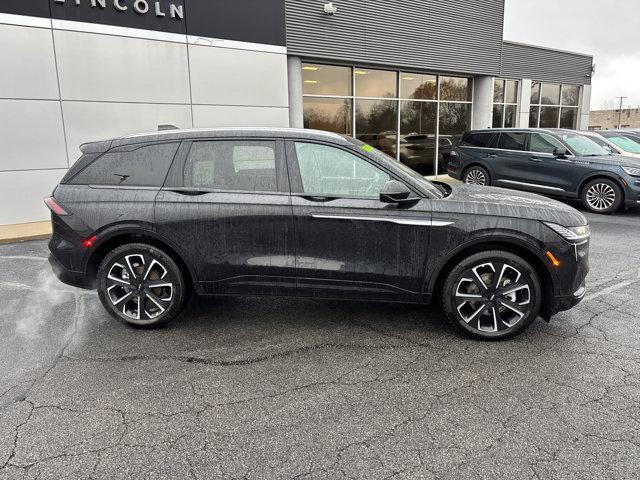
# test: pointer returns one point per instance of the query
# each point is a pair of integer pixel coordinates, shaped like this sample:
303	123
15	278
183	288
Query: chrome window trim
569	154
532	185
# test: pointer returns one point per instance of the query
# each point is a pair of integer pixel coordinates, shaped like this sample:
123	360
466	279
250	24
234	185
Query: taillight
89	242
55	206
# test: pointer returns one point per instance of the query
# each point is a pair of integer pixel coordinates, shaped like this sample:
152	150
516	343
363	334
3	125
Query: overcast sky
607	29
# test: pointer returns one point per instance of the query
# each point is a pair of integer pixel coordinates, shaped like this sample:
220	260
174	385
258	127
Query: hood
502	202
615	159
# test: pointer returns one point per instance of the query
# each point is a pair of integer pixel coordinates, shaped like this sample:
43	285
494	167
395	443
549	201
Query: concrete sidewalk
24	231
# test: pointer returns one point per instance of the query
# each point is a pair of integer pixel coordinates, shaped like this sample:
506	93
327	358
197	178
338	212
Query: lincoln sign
141	7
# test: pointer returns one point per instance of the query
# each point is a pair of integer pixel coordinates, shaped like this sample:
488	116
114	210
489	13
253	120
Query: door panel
549	173
512	160
239	240
236	242
349	245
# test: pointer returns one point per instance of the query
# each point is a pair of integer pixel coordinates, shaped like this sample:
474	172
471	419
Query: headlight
634	172
573	234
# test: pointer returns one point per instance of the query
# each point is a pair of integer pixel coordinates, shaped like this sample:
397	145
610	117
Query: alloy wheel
492	297
475	177
600	196
140	287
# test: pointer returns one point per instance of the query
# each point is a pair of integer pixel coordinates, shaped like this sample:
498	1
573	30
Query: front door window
334	172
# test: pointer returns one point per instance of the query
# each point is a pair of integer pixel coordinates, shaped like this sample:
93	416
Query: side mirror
560	152
395	192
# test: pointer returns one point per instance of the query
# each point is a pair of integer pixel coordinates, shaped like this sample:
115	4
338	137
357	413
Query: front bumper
570	276
569	301
632	192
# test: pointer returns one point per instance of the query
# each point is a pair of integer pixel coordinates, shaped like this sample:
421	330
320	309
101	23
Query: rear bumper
70	277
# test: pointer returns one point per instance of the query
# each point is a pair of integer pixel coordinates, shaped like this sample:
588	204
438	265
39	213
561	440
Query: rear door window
243	165
481	139
130	166
542	143
512	141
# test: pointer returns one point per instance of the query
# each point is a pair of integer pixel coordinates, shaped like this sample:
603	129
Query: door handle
192	192
492	155
535	159
317	198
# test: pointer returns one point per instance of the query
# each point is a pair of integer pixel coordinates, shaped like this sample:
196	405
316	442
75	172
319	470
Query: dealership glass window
377	123
330	114
376	83
554	105
568	117
550	94
383	103
326	80
418	86
549	117
505	103
454	120
455	88
418	125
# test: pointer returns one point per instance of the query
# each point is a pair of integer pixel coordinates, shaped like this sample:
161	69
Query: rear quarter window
131	166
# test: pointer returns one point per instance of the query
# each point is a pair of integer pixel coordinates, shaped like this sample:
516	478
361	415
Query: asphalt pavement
286	388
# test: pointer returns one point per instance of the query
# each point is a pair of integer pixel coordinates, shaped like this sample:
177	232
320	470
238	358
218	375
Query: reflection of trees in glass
375	116
418	117
332	115
376	124
426	91
549	117
568	118
454	88
454	118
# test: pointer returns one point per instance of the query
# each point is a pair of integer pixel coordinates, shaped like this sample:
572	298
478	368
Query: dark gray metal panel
458	36
543	64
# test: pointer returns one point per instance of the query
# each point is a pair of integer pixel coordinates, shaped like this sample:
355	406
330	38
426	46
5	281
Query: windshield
602	142
430	187
583	146
627	144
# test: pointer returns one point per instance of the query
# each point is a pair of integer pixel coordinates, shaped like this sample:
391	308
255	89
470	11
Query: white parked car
622	143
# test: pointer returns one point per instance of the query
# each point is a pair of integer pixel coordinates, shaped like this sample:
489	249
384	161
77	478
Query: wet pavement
283	388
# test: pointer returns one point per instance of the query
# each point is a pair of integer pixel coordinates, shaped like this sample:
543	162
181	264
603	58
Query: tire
477	175
485	310
602	196
121	296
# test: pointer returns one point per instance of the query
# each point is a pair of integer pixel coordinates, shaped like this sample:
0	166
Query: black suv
550	161
149	218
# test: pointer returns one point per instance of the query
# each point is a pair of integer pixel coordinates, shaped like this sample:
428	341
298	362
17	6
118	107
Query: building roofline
530	45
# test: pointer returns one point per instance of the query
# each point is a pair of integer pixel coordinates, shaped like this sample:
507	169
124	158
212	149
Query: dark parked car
146	219
550	161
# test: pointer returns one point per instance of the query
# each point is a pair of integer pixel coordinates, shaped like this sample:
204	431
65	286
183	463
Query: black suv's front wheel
141	285
492	295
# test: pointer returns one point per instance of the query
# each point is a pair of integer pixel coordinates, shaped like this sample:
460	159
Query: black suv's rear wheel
477	175
602	196
141	285
492	295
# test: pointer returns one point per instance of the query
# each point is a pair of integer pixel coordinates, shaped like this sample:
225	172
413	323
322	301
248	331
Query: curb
23	232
